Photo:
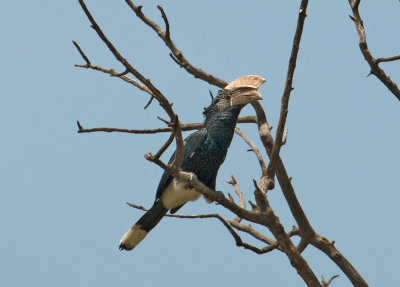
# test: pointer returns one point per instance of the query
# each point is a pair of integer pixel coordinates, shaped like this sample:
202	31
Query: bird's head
236	95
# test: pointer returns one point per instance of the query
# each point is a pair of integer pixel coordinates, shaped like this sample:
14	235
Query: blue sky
63	194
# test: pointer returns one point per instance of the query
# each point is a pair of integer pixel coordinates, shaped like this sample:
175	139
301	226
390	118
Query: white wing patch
177	193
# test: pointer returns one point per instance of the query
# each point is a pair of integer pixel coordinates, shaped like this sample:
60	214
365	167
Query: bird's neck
221	127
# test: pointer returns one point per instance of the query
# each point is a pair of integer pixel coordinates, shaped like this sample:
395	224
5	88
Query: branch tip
164	16
326	284
149	102
82	53
80	128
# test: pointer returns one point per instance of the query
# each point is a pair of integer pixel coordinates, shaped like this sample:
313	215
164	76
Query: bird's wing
192	144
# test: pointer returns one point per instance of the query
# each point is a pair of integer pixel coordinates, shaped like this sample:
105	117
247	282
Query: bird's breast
178	193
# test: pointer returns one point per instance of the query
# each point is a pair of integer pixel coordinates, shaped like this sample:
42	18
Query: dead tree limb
184	127
288	88
373	63
175	54
262	213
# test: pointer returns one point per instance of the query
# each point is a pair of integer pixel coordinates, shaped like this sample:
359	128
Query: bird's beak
244	90
243	96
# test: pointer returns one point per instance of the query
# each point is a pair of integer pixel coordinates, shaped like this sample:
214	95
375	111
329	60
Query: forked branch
264	215
288	88
176	54
373	63
184	127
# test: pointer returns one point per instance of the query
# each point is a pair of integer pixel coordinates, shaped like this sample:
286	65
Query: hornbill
204	152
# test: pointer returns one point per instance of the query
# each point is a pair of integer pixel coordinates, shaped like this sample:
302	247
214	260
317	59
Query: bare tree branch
261	197
288	88
184	127
165	146
302	245
262	215
111	72
238	240
180	148
356	4
155	92
82	53
177	54
306	230
282	176
373	63
255	150
329	249
389	59
238	191
250	230
326	284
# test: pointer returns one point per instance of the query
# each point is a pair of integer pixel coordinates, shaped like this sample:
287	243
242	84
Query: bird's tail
143	226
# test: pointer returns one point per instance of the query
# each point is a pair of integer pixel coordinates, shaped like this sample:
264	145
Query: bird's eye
226	97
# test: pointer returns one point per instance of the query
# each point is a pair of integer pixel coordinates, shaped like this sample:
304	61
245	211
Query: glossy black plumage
205	150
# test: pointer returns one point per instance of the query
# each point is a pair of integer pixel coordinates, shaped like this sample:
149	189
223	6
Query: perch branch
268	218
238	240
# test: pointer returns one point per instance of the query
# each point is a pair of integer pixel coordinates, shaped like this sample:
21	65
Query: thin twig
168	123
330	250
155	92
164	16
265	180
268	219
389	59
114	73
239	193
326	284
109	130
235	235
288	88
178	56
373	63
254	149
82	53
184	127
149	102
261	197
180	149
250	230
111	72
165	145
281	174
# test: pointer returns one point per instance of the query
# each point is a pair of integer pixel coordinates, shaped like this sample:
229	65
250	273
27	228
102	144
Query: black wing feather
193	145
